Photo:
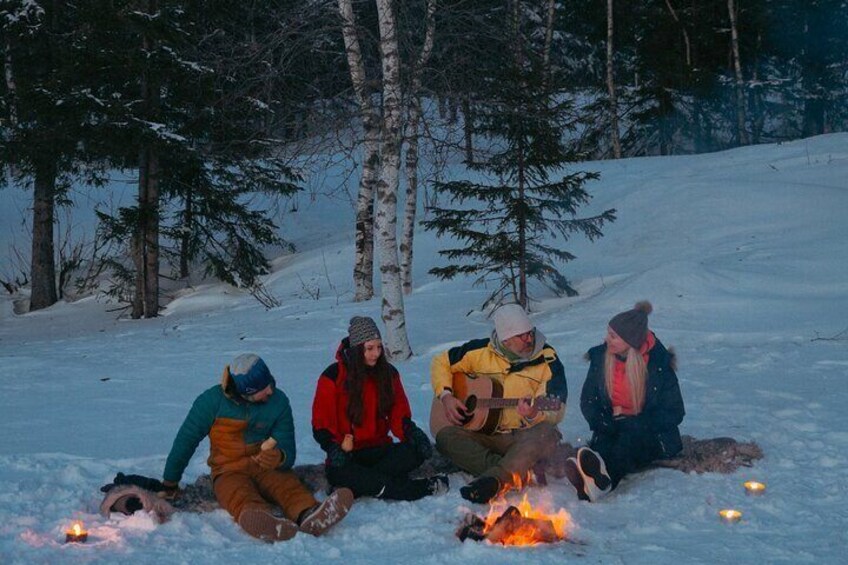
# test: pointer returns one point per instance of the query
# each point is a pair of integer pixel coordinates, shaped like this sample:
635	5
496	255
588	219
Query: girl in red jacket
359	401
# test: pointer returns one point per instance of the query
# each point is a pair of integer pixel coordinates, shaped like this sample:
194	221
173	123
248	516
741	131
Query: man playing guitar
516	364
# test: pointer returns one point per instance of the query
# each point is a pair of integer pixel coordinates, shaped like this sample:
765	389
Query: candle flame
76	529
730	515
754	486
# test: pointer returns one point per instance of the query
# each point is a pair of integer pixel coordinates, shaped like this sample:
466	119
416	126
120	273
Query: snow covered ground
743	253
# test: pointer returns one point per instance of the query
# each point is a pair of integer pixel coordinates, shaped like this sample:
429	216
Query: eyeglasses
526	336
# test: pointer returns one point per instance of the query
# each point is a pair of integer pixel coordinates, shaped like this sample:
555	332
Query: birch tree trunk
396	343
521	149
411	204
11	86
613	100
363	265
742	134
686	41
468	129
811	71
549	40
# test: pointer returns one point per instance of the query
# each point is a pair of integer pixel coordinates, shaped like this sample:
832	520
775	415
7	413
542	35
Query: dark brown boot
319	519
262	524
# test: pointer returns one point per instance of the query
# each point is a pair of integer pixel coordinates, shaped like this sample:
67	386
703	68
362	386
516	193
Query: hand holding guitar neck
454	410
527	408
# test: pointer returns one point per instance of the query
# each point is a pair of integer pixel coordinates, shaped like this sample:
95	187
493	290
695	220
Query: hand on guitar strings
527	409
454	410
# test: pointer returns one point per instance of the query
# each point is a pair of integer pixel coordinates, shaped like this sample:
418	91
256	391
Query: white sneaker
596	481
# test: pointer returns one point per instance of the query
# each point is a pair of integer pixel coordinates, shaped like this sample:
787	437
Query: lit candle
730	516
754	488
76	534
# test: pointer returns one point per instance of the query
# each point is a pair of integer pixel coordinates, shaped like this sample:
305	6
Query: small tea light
76	534
730	516
754	488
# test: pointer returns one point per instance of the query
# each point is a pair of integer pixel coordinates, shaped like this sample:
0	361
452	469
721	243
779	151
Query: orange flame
76	529
527	534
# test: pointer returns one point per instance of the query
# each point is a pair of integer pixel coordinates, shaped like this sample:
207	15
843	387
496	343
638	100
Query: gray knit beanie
362	329
632	325
511	320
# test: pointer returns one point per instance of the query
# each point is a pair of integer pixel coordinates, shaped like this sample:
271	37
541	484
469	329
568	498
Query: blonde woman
632	402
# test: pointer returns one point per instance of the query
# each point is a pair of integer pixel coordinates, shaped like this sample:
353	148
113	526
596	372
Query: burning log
510	528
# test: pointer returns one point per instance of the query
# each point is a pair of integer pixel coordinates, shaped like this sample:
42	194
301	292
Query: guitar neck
540	403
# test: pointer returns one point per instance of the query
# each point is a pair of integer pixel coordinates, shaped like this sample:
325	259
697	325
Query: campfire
521	524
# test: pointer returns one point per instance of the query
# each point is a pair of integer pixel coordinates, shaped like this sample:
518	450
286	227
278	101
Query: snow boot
481	489
262	524
596	481
439	485
320	518
572	473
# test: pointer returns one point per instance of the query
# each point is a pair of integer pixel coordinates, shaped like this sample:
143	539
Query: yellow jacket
541	375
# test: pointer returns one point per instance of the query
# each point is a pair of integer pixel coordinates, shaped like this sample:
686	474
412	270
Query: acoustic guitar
484	404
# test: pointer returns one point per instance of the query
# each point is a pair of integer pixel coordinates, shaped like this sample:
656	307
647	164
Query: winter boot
260	523
572	473
318	519
593	470
438	484
481	489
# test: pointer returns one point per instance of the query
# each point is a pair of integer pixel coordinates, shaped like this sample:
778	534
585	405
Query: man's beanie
632	325
362	329
250	374
511	320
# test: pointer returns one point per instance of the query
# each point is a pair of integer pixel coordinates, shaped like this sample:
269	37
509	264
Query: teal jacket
235	427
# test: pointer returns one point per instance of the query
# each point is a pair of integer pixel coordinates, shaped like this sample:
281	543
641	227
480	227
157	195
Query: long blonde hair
637	375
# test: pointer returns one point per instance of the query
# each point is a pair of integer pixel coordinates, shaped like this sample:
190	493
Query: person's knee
446	437
547	435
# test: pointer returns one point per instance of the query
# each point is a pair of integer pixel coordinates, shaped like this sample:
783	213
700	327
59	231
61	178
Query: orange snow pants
236	490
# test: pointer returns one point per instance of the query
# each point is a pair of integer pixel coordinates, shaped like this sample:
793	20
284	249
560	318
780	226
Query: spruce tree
50	118
205	132
503	224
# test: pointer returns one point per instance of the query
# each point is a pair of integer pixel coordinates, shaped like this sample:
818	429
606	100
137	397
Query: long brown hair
357	372
636	371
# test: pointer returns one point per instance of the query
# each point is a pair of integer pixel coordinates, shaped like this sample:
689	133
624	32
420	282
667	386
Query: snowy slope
744	254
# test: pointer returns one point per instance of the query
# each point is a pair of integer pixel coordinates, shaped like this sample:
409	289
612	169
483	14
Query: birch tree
613	101
394	317
363	265
414	112
741	133
549	38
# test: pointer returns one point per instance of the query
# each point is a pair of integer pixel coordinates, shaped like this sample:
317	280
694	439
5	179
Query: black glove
336	456
416	437
170	490
632	424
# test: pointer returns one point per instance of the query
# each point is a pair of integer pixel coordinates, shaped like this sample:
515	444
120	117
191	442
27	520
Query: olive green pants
500	455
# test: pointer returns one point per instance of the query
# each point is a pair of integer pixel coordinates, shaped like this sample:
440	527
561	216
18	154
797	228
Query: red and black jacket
330	422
